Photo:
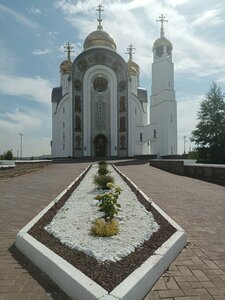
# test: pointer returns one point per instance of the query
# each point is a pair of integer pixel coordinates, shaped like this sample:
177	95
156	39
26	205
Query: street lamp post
184	143
21	145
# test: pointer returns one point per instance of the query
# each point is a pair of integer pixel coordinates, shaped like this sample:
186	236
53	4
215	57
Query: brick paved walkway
198	273
199	207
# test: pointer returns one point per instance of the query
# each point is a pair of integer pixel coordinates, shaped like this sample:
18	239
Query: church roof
56	94
133	68
142	95
99	38
65	66
162	41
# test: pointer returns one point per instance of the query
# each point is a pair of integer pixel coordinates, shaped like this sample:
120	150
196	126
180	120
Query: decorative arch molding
62	102
86	67
112	82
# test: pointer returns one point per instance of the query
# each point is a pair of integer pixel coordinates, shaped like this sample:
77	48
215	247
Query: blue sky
31	49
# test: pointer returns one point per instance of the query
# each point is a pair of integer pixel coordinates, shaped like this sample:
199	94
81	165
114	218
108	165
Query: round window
100	84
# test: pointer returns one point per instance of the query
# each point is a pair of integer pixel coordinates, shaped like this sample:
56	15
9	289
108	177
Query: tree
8	155
209	134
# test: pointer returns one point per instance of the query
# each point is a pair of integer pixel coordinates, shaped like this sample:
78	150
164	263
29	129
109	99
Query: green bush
108	202
102	180
103	170
102	162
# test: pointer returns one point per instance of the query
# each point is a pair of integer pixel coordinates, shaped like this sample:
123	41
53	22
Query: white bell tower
163	106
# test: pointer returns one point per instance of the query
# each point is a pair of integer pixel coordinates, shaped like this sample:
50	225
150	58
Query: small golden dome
133	68
99	38
162	41
65	66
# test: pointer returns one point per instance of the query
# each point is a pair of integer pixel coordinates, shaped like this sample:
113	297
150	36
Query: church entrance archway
100	145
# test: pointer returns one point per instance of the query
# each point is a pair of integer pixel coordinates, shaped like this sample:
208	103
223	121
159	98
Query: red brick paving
198	207
198	273
21	199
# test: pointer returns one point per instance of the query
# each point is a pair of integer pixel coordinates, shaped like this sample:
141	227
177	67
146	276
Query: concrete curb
77	285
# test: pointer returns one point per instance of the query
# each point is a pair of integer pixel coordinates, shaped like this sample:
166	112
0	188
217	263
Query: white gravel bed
72	223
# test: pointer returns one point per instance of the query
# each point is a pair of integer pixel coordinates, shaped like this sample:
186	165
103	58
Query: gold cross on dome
68	50
99	9
130	51
162	19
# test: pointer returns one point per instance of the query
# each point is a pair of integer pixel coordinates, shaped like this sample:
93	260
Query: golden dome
162	41
133	68
99	38
65	66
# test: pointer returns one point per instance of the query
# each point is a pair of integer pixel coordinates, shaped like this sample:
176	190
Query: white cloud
52	34
220	80
209	18
32	124
71	8
7	59
35	89
34	10
18	17
187	108
41	52
28	120
175	3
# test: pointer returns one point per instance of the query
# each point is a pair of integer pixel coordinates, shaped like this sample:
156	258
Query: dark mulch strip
108	275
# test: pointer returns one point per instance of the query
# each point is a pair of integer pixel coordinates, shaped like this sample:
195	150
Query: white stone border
80	287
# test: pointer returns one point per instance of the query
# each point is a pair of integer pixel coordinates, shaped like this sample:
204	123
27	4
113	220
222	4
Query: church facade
100	110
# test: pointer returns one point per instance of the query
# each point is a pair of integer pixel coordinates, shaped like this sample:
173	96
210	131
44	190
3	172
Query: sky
33	34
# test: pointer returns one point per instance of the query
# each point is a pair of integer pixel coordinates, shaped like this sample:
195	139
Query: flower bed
109	275
72	224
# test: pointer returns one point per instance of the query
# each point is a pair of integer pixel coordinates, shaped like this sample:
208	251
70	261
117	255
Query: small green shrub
103	170
102	180
102	162
105	229
108	202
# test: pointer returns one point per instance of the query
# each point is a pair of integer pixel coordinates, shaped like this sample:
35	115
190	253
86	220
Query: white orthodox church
100	110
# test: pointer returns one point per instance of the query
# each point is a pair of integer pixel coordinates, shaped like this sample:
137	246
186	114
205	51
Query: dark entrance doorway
100	145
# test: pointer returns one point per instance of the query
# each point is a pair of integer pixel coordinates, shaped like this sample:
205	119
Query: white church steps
80	287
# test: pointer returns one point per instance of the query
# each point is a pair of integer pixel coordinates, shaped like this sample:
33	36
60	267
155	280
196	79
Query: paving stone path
198	273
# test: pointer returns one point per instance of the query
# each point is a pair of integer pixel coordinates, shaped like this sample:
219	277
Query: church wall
145	116
160	113
61	129
162	77
134	83
163	96
137	119
165	116
65	83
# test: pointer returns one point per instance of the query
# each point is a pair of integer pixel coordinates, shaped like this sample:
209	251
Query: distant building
101	110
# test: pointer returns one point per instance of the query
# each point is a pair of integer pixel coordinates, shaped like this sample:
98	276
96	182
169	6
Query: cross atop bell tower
162	19
99	19
68	50
130	51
